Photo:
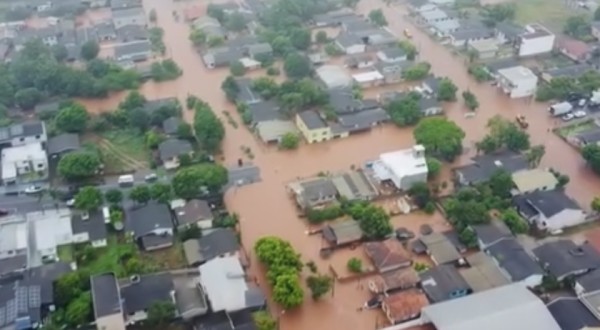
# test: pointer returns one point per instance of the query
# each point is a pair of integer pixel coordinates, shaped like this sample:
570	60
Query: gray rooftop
484	166
131	32
590	282
317	188
245	92
589	136
441	283
265	111
513	258
193	211
174	148
563	258
221	241
133	48
22	130
94	225
492	232
346	39
63	143
105	295
171	125
572	71
549	203
363	120
128	12
149	289
143	219
572	314
312	120
440	248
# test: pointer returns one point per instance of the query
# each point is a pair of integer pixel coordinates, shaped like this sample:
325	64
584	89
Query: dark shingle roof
363	120
589	136
484	166
148	290
171	125
22	130
342	100
45	276
105	295
571	314
193	211
562	258
265	111
312	120
393	52
143	219
440	282
94	225
513	258
590	281
572	71
131	32
132	48
346	39
218	242
549	202
492	232
62	143
174	148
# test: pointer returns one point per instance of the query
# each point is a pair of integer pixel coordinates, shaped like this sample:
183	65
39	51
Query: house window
40	165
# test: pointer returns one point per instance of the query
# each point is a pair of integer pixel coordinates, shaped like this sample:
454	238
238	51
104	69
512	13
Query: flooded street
266	209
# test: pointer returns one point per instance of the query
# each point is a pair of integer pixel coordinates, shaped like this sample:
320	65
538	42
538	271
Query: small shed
485	49
342	233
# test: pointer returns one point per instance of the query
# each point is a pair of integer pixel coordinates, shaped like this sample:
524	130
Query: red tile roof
404	305
573	47
387	254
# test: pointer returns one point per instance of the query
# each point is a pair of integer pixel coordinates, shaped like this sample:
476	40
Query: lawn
65	253
129	142
575	128
551	13
123	150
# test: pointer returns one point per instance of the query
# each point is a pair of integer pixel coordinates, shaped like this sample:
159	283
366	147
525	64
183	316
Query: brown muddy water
266	209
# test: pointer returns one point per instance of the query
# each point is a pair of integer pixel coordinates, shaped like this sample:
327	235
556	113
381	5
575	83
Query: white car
151	177
71	202
33	189
579	114
568	117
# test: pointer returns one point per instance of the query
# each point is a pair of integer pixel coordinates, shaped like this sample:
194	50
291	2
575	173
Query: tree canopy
447	90
493	14
90	50
377	17
503	133
160	313
470	100
417	72
405	111
79	165
591	153
374	220
140	194
297	66
289	141
440	137
191	182
319	285
114	196
72	119
88	199
578	27
208	128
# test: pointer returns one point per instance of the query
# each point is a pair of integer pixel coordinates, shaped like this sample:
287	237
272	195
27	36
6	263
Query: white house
517	81
550	210
52	228
24	133
392	55
515	263
368	79
403	167
128	16
21	160
536	40
350	43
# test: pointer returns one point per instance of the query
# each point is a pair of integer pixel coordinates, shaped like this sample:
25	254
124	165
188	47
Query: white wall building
22	160
536	40
550	210
403	167
517	81
52	228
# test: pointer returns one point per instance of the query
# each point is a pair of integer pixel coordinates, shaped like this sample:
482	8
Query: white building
52	228
536	40
24	159
550	210
517	81
13	237
403	167
368	79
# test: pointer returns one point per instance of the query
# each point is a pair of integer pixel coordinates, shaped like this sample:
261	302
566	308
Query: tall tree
140	194
535	155
297	66
79	165
88	199
208	128
377	17
72	119
440	137
447	90
405	111
191	182
160	313
114	196
90	50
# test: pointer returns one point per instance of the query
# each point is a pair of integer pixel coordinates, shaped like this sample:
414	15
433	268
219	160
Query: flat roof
367	76
13	235
405	162
22	152
517	73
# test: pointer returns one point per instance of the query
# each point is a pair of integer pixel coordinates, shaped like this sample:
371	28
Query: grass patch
171	258
551	13
575	128
65	253
129	142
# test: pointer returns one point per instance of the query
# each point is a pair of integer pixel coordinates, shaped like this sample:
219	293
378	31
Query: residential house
273	131
22	134
342	233
574	49
354	185
23	160
550	210
507	307
151	106
443	282
387	255
435	14
224	282
128	16
587	283
392	55
63	144
393	72
536	40
359	122
350	43
515	263
431	85
171	150
360	61
533	180
334	18
151	225
581	139
221	57
430	106
14	248
571	314
334	77
313	127
493	67
483	274
140	292
131	32
49	229
404	305
417	6
491	233
572	71
403	168
314	192
260	51
397	280
89	227
218	243
343	101
485	49
484	166
106	300
564	258
210	27
357	25
20	305
103	31
368	79
378	38
508	32
264	111
135	51
196	212
440	249
517	82
443	29
45	276
468	34
170	126
246	93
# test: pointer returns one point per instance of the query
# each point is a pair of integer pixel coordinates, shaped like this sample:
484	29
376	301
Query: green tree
216	12
208	128
493	14
332	50
591	153
287	291
434	167
535	155
236	22
97	67
88	199
297	66
140	194
191	181
488	144
264	321
289	141
79	311
321	37
300	38
319	285
470	100
501	183
354	265
597	14
409	49
153	139
274	251
60	52
578	27
215	41
266	87
514	222
114	196
373	220
160	313
198	37
417	72
184	131
70	286
72	119
595	205
90	50
377	17
405	111
161	192
237	69
27	98
138	118
479	73
420	194
230	88
133	100
282	46
440	137
447	91
79	165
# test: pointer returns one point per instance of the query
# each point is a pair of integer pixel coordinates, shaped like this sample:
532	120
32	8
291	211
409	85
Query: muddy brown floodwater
266	209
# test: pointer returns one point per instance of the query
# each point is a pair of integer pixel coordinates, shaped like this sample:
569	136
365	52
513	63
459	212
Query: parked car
579	114
151	177
33	189
568	117
403	234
